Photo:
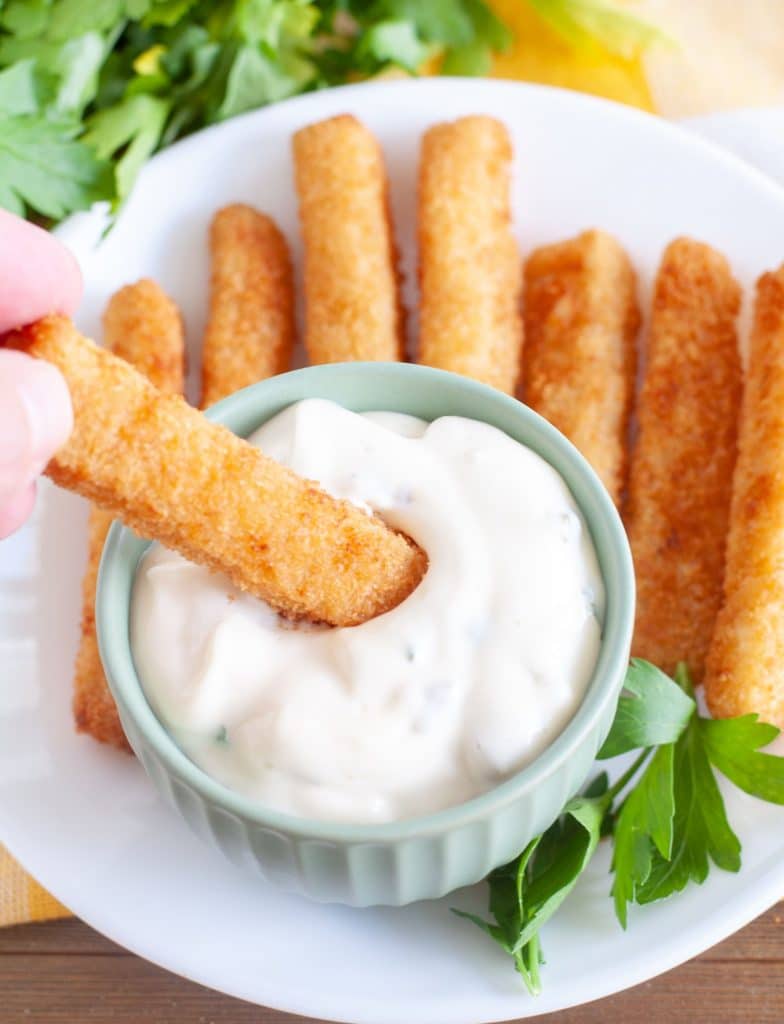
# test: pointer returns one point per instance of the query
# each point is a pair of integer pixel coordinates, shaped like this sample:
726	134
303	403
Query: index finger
38	275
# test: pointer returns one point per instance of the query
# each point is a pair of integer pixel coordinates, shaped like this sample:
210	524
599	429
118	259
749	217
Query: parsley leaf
701	831
44	167
668	822
644	821
129	132
732	746
525	893
255	80
19	89
653	709
395	42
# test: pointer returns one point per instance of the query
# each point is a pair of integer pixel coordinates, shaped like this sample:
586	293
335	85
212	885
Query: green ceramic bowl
418	858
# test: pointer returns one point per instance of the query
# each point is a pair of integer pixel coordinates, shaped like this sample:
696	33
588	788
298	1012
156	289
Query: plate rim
768	886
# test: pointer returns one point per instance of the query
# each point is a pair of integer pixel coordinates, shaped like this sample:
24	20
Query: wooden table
65	973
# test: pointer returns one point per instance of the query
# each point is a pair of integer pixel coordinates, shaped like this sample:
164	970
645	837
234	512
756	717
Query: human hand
37	276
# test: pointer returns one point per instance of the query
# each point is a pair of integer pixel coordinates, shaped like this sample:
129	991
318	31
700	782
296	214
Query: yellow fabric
727	54
540	55
21	898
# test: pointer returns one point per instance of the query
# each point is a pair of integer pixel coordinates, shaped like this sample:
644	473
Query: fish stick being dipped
681	468
250	329
143	326
175	477
353	308
579	360
745	665
469	264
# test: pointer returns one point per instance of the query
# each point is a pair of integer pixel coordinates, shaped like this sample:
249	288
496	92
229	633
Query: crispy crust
250	332
93	706
173	476
579	362
744	670
681	470
143	326
469	264
353	308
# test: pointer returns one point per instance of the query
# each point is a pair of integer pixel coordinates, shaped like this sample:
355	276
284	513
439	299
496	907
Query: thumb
35	419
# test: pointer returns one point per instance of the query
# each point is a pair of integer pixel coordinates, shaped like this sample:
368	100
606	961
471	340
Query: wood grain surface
65	973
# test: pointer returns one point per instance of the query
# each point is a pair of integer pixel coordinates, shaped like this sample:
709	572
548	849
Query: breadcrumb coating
143	326
175	477
745	667
681	470
579	361
353	308
250	330
469	265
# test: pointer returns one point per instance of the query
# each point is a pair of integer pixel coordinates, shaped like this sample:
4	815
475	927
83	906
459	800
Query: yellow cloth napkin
21	897
726	54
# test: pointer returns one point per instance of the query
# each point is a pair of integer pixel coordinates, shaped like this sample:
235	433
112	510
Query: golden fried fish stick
352	302
250	332
469	264
93	706
175	477
143	326
579	361
745	666
681	468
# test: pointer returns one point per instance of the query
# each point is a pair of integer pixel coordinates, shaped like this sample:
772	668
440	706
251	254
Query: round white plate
85	821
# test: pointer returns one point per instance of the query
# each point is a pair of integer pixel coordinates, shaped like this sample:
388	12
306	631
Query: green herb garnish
88	91
665	813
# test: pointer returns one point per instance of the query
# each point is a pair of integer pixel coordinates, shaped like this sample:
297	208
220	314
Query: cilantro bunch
88	91
665	815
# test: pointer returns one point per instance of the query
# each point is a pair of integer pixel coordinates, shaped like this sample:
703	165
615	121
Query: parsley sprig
665	814
89	91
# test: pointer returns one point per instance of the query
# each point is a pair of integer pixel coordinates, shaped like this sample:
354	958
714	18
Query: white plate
85	820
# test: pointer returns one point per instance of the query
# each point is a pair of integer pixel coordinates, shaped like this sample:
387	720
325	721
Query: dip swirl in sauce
424	707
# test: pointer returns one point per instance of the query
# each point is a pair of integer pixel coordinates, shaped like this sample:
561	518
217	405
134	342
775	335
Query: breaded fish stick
469	264
681	469
579	361
143	326
250	331
745	667
353	308
175	477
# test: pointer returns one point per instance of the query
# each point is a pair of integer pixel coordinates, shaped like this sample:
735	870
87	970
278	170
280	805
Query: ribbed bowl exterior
423	858
393	871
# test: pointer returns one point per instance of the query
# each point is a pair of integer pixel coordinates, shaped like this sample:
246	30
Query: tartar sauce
421	708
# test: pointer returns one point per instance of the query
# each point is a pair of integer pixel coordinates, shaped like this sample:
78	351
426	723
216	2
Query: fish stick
681	469
469	264
143	326
175	477
745	667
353	308
250	331
579	361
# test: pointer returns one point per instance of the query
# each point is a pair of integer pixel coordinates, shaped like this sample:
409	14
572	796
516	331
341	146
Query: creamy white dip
425	706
